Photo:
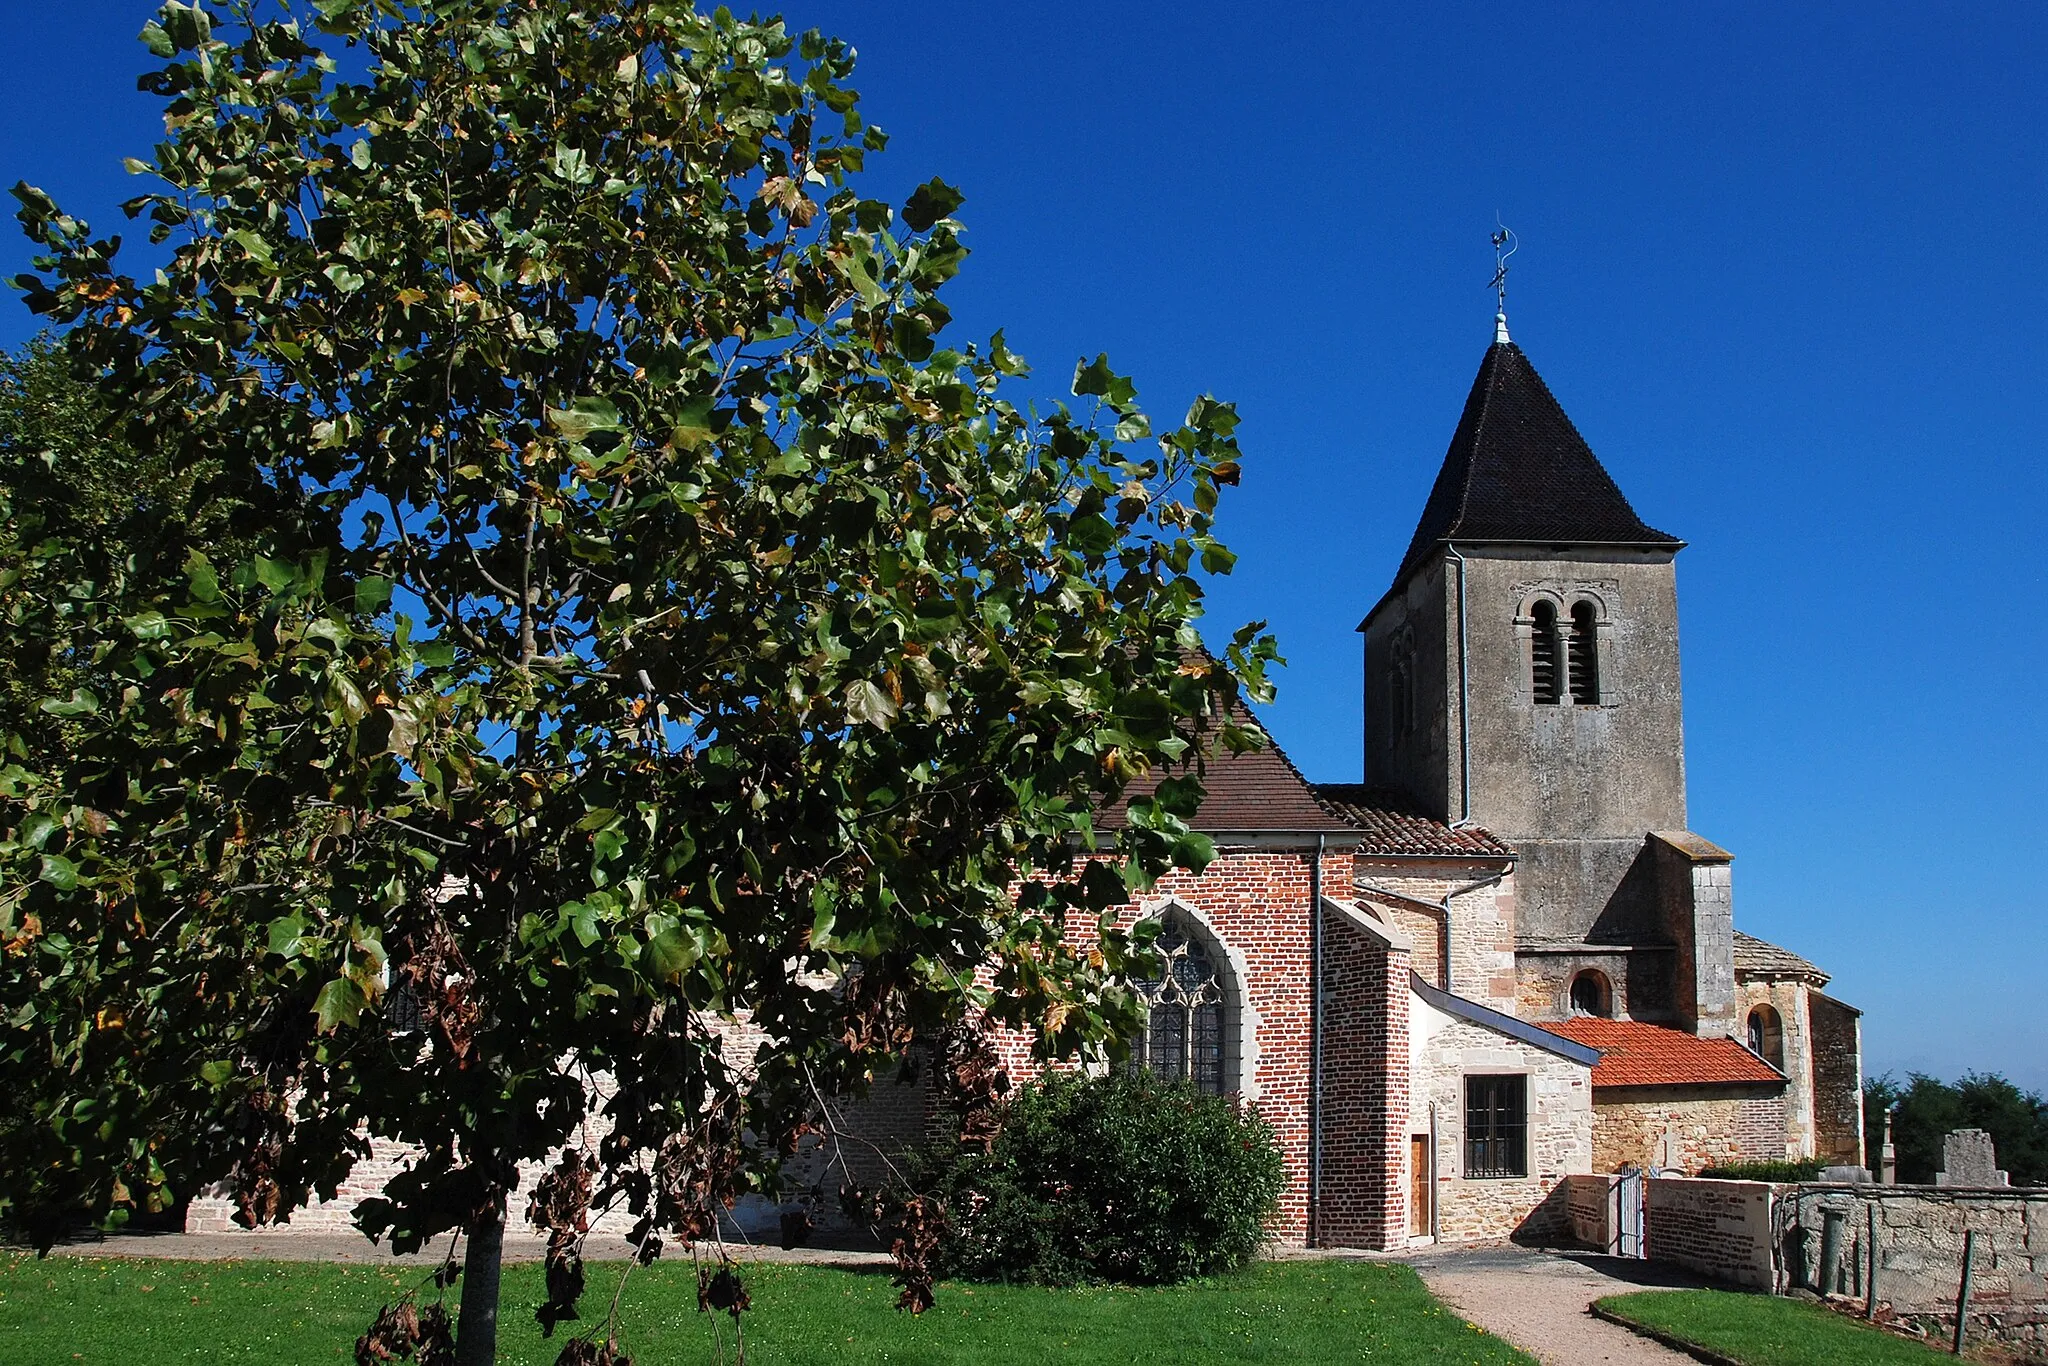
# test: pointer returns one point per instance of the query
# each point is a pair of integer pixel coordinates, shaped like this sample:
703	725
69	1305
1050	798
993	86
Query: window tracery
1183	1036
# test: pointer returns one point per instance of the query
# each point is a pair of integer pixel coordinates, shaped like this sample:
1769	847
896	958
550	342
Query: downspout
1464	701
1315	1045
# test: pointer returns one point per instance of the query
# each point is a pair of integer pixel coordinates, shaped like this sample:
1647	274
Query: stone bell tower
1522	674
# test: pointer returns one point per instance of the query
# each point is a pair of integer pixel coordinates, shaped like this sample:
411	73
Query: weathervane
1503	236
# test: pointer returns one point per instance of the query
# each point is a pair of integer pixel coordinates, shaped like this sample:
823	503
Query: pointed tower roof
1519	472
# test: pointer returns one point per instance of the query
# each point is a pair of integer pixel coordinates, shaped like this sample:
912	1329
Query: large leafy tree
634	623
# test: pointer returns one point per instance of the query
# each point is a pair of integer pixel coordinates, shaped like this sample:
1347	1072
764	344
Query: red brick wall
1255	902
1365	1090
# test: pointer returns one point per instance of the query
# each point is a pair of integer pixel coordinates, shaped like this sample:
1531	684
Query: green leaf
1091	535
339	1003
285	933
373	595
669	953
217	1072
584	416
911	335
148	625
867	702
188	25
572	165
274	574
157	41
80	703
59	872
930	202
199	572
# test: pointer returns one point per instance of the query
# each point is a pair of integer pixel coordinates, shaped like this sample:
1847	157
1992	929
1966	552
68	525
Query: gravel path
1537	1301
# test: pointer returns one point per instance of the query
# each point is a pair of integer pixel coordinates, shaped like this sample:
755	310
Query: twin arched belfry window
1564	654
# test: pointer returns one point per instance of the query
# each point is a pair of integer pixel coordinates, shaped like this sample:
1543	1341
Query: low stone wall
1687	1128
1720	1229
1589	1212
1920	1231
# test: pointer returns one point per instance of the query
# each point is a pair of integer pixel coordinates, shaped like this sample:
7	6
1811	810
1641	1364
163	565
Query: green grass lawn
1759	1330
107	1312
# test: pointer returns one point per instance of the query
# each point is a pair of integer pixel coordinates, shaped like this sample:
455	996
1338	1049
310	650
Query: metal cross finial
1503	237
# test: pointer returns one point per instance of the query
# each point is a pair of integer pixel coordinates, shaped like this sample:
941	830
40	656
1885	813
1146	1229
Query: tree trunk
476	1331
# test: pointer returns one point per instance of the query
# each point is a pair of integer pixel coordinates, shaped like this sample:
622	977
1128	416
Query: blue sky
1783	266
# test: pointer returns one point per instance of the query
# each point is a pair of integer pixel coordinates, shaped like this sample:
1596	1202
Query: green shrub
1123	1178
1805	1169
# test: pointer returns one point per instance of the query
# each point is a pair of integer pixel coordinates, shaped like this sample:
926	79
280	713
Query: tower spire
1503	237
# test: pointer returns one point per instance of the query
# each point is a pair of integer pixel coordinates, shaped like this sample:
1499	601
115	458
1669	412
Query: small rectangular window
1496	1126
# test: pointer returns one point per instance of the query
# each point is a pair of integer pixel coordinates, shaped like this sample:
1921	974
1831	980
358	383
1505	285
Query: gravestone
1969	1159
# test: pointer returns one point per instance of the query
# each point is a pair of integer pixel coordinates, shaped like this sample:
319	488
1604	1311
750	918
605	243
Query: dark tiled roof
1755	958
1636	1054
1259	790
1392	826
1519	471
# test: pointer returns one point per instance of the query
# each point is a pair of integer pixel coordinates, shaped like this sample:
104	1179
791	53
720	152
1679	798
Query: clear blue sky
1783	265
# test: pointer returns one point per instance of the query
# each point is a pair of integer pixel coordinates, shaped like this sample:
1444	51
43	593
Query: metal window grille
1183	1036
1496	1126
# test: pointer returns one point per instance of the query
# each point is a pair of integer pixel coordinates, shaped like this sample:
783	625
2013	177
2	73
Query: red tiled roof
1636	1054
1259	790
1392	827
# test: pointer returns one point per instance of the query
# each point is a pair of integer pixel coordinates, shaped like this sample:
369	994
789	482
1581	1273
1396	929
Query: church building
1505	957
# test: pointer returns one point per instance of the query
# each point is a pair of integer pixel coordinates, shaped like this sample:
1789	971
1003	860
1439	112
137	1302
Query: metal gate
1629	1190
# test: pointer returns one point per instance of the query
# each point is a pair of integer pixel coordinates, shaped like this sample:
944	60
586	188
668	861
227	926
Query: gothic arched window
1767	1036
1543	653
1183	1035
1585	654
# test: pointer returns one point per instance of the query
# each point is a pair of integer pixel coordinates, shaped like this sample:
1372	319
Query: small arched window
1591	994
1183	1035
1767	1036
1543	672
1585	654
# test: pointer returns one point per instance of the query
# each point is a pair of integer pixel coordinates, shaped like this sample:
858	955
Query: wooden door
1421	1188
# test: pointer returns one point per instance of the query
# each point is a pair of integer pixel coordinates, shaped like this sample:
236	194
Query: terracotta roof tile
1756	958
1392	827
1260	790
1636	1054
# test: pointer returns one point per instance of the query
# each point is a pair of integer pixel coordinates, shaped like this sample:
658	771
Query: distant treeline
1929	1108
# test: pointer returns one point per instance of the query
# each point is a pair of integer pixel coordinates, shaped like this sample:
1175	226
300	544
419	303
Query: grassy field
106	1312
1758	1330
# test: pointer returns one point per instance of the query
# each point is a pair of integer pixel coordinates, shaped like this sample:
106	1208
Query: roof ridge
1519	470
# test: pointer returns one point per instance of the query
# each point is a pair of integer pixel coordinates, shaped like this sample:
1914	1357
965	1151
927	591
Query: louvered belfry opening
1585	655
1543	670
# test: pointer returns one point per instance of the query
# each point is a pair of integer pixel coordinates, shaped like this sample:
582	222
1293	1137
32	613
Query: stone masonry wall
1720	1229
1787	996
1837	1079
1470	952
1254	903
1686	1128
1446	1050
1920	1232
